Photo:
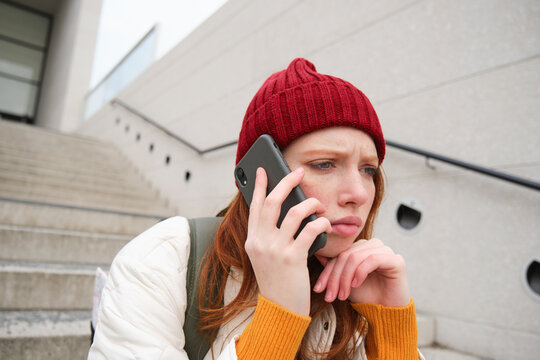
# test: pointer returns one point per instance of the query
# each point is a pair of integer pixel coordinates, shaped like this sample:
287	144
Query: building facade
46	54
457	78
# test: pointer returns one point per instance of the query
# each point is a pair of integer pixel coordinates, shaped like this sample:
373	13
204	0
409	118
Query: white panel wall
459	78
69	64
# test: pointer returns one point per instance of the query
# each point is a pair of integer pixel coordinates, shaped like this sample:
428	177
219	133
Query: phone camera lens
241	176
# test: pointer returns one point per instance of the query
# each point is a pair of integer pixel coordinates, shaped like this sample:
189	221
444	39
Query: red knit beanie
299	100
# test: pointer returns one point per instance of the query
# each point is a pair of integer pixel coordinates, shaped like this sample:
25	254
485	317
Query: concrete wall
459	78
69	64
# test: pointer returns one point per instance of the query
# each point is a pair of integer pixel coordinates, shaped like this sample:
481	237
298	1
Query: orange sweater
276	333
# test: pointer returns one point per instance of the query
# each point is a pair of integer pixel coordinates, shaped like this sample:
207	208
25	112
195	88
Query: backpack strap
202	233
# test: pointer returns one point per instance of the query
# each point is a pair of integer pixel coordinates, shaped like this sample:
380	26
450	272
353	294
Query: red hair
228	251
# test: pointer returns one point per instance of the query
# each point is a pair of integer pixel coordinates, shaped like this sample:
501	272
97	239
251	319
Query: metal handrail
429	155
169	133
479	169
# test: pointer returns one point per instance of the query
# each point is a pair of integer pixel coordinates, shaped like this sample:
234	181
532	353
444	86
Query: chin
334	247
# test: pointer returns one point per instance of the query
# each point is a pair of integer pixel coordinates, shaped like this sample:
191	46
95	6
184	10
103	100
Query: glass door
24	40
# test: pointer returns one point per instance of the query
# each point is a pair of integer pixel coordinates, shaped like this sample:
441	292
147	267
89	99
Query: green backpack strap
202	232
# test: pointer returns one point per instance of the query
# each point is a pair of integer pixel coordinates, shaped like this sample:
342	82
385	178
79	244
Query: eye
323	165
370	171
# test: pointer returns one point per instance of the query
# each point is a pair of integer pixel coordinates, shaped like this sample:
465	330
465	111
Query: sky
124	22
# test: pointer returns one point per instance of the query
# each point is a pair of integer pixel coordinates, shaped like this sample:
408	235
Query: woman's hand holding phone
367	272
278	260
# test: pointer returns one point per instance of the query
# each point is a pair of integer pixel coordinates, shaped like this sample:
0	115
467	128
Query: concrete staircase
67	205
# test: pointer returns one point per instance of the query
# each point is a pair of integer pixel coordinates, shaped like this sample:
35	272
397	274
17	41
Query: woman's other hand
278	260
368	272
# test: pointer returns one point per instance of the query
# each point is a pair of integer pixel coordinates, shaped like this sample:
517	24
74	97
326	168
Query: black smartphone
266	154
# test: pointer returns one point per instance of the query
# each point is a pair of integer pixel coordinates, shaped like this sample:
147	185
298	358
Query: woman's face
340	164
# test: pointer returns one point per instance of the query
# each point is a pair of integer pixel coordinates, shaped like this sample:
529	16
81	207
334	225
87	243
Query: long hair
228	251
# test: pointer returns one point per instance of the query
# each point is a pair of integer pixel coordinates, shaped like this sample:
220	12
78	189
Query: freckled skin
343	189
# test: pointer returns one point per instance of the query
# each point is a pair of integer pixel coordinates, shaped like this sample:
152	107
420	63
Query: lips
347	226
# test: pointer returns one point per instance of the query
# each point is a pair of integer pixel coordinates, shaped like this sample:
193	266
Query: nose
354	189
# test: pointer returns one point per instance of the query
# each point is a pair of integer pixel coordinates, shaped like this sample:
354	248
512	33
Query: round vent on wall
531	277
409	215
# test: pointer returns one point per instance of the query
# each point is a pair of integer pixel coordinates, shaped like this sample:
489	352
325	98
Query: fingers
257	200
379	261
310	232
297	214
272	204
355	256
351	276
266	209
351	268
279	264
322	282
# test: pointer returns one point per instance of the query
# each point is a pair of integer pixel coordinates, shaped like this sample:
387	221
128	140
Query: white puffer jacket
142	307
143	304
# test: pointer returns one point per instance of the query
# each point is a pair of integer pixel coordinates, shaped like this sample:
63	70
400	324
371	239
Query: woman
332	140
261	296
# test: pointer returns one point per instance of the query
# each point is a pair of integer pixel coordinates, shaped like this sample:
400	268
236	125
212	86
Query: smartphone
266	154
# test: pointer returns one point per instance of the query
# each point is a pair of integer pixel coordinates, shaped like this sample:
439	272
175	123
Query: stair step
426	329
109	204
30	286
55	142
66	218
44	335
116	173
117	163
437	353
28	136
20	243
69	194
129	183
68	204
16	324
55	145
20	182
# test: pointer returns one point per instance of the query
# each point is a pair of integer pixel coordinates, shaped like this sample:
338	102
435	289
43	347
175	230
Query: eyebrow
366	157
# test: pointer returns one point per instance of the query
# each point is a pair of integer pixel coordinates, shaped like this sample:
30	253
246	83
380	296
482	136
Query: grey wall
69	64
460	78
